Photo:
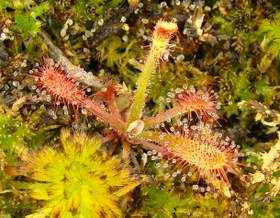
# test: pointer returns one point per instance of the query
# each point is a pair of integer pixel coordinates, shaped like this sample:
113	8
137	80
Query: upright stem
139	99
161	36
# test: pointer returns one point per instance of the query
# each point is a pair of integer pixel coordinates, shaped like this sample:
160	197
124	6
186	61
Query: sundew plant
139	109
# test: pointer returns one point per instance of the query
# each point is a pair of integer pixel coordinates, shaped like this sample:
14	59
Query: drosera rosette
133	127
78	181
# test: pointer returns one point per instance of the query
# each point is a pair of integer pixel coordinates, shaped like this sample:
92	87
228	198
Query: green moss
79	181
121	57
163	203
13	132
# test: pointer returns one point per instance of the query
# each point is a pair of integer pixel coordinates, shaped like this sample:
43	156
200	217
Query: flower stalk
162	34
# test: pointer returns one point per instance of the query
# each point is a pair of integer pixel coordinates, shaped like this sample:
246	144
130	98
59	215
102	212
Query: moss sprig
79	181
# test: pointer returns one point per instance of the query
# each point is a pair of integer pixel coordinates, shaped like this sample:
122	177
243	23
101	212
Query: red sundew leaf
203	104
199	148
108	94
55	81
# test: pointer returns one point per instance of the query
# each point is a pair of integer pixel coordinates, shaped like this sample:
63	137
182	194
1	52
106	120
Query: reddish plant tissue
165	30
200	149
56	83
203	104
